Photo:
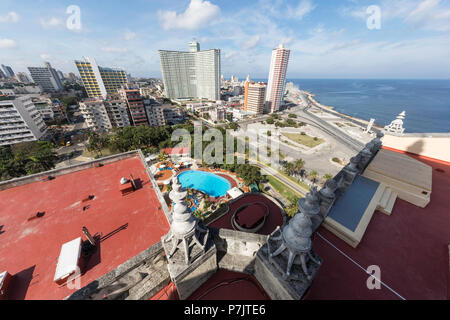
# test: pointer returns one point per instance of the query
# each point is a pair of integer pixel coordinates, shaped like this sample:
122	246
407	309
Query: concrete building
155	114
277	78
172	115
255	97
100	81
50	109
104	114
8	71
136	106
193	74
20	121
46	77
23	77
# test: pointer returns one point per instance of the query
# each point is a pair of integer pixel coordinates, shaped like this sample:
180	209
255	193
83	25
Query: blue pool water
209	183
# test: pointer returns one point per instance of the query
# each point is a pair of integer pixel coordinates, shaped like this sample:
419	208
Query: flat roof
410	246
126	225
350	207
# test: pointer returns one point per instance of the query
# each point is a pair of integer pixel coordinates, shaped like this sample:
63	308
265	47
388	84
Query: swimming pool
209	183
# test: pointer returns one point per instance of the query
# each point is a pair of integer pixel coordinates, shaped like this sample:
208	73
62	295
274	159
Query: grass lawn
283	189
303	139
91	154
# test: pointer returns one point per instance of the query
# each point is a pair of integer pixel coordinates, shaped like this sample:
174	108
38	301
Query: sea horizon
384	99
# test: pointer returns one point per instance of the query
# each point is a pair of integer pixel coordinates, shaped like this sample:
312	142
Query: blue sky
327	38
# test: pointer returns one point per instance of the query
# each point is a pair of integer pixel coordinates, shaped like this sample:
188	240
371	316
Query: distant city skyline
327	39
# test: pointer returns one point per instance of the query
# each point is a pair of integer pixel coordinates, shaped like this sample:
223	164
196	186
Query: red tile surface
410	246
29	250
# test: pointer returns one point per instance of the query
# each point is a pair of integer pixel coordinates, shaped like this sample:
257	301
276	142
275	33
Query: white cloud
429	15
7	43
198	14
10	17
114	49
51	23
251	42
304	8
44	56
129	35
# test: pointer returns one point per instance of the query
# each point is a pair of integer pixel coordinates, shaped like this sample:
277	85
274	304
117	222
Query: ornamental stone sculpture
294	240
185	227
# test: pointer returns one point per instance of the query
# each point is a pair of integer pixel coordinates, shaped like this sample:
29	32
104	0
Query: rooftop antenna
88	236
133	184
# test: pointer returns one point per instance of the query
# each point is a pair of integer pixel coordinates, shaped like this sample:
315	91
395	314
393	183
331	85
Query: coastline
331	109
294	89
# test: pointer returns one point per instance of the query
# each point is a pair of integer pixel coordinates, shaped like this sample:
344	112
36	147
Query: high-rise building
100	81
136	106
46	77
255	94
60	75
104	114
193	74
20	121
9	73
277	78
22	77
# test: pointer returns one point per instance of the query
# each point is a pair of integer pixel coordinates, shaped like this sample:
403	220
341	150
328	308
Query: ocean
426	102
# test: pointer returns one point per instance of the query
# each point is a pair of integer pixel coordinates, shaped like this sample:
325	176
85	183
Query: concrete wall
433	145
237	250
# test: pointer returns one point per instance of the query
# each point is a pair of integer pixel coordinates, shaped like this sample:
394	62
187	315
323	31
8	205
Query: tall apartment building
255	95
136	106
20	121
277	78
46	77
100	81
104	114
193	74
22	77
155	113
8	71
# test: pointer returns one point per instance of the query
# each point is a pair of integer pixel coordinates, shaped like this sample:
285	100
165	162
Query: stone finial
178	193
296	240
366	154
184	226
330	188
310	204
377	141
353	165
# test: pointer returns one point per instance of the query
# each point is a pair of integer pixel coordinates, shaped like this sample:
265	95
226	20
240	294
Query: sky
327	38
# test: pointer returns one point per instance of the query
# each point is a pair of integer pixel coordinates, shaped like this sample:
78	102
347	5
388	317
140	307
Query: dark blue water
426	102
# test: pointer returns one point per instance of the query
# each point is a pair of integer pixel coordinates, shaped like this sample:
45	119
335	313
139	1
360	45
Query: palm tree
289	168
298	166
313	174
162	156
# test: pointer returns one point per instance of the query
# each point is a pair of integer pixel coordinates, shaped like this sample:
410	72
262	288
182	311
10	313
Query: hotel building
255	94
20	121
277	78
193	74
100	81
46	77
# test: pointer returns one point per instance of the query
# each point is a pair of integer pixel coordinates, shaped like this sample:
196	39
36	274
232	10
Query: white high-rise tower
192	74
277	78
